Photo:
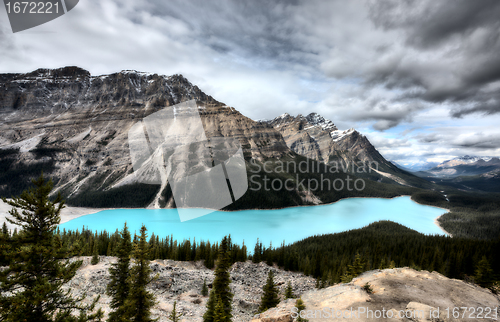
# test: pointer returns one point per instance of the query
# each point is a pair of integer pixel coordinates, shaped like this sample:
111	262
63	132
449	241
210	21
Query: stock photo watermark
429	314
171	146
25	15
261	179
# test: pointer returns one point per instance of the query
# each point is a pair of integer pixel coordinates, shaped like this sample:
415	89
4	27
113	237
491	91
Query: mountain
463	166
319	139
74	127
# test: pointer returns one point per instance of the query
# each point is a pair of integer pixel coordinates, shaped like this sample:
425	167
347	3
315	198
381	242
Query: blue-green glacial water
277	225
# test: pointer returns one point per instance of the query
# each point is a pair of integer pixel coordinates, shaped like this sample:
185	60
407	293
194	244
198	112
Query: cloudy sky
420	78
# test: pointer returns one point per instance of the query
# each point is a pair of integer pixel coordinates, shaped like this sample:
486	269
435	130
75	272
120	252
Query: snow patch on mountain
318	120
339	135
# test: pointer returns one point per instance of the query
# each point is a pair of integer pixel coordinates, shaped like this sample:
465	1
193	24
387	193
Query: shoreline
69	213
436	222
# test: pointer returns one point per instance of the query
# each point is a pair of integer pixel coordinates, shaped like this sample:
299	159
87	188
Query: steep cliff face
308	136
74	126
317	138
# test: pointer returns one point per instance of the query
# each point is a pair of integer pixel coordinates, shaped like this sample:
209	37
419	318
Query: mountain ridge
74	126
463	166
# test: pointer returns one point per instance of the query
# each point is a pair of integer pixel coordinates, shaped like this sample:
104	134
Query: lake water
289	224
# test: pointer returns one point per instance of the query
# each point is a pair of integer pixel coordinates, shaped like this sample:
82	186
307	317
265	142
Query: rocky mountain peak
318	120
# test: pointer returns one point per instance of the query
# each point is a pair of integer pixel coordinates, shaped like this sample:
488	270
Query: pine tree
221	290
357	267
204	288
5	230
257	252
119	286
220	313
289	291
95	255
208	316
31	288
484	273
299	304
270	298
140	301
174	316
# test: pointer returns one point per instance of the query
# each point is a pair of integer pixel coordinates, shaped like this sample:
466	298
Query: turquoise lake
276	226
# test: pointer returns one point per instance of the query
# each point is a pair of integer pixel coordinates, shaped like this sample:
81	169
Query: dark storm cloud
451	52
257	29
430	22
473	141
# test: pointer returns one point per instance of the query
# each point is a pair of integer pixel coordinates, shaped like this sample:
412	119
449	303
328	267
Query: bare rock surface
401	293
182	282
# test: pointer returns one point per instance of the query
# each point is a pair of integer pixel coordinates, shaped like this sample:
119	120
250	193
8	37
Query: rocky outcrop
398	291
182	282
400	294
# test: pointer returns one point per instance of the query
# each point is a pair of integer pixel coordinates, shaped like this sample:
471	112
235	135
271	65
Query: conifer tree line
84	242
340	257
328	258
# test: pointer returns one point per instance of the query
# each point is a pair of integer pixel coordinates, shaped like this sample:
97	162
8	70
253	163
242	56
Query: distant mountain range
74	127
466	173
463	166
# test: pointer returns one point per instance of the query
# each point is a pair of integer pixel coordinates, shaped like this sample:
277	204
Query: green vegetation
485	183
358	266
330	257
368	288
204	288
140	301
299	304
472	215
95	256
258	197
219	302
16	176
119	287
174	316
31	287
289	291
327	258
484	273
270	297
